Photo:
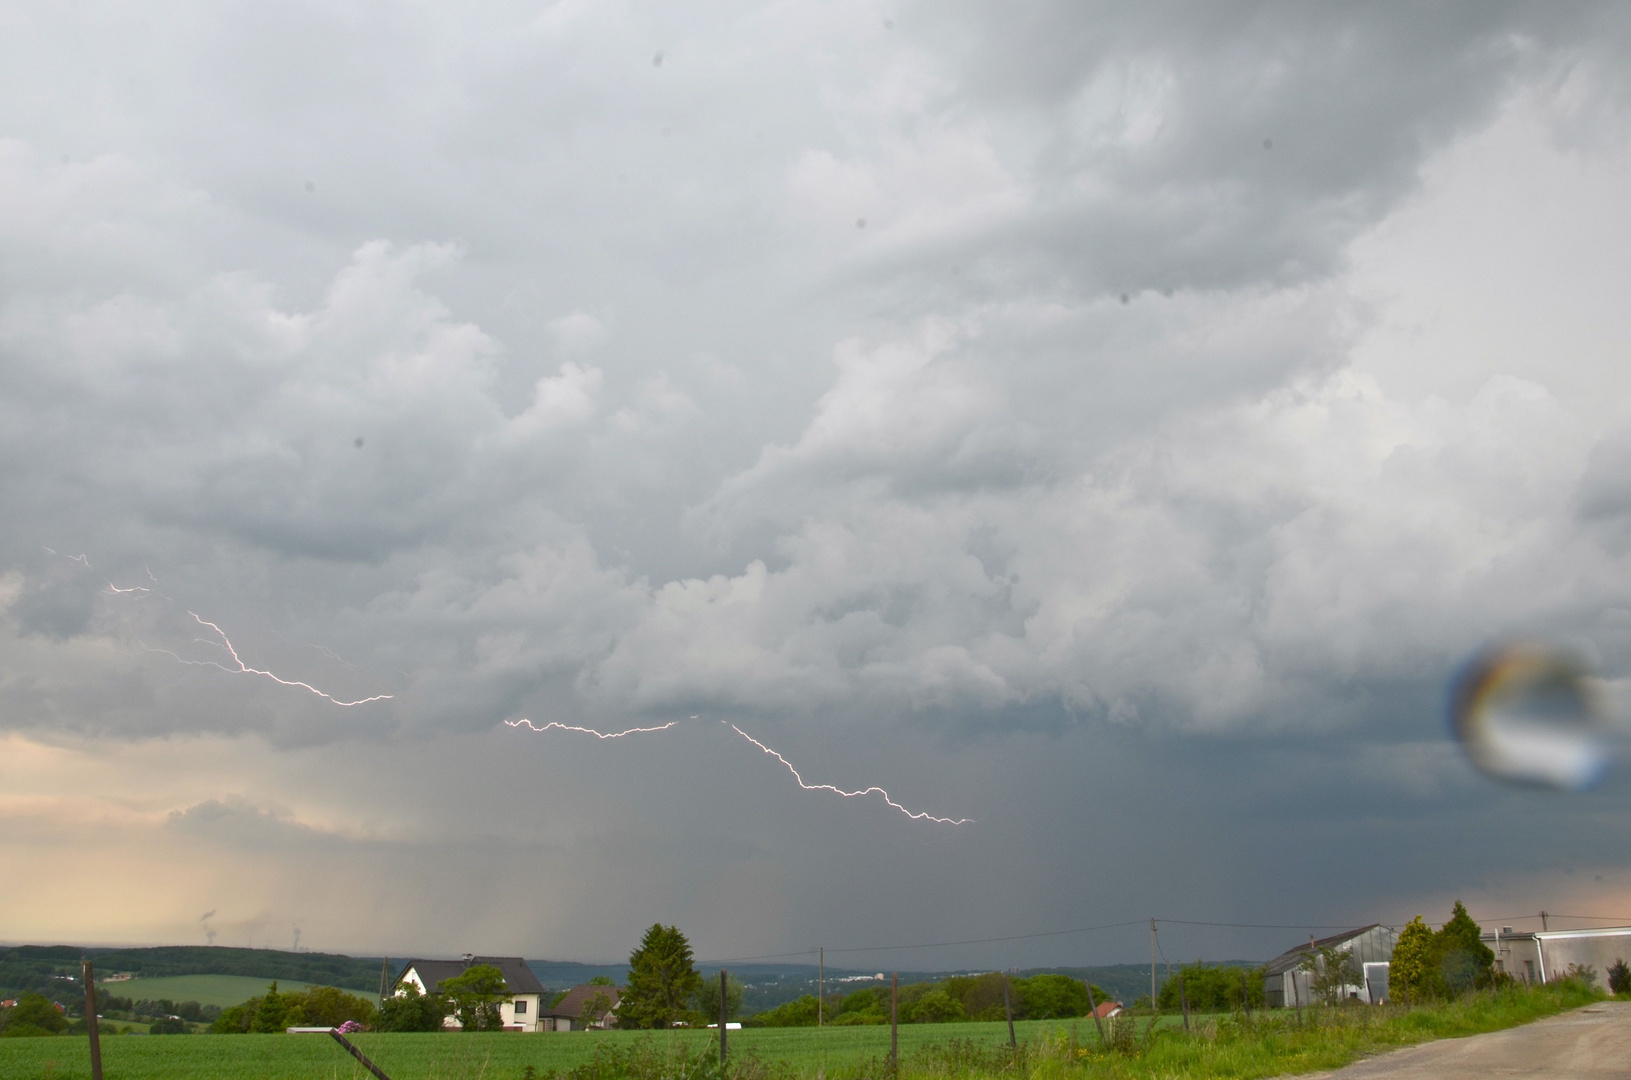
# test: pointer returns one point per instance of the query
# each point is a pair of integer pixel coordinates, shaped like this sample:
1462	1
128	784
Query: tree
34	1014
662	980
1331	971
409	1010
937	1007
706	1001
801	1012
1412	972
1464	960
475	995
595	1006
326	1006
1050	997
268	1017
1619	977
601	980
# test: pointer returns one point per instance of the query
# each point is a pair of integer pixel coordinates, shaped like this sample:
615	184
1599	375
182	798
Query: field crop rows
1222	1045
457	1056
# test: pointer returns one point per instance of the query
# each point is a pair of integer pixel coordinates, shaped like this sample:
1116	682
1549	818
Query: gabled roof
572	1004
517	975
1292	957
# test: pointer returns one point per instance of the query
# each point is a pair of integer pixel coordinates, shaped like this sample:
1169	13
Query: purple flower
349	1027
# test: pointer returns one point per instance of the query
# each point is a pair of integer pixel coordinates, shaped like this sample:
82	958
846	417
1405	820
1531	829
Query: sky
1110	423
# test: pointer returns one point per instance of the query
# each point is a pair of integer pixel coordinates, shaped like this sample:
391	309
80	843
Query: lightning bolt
82	560
914	815
245	669
133	588
590	731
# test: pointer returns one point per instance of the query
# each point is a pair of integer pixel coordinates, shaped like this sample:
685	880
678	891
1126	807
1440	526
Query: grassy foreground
1229	1046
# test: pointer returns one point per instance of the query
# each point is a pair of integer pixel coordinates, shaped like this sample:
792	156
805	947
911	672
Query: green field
455	1055
222	990
1221	1045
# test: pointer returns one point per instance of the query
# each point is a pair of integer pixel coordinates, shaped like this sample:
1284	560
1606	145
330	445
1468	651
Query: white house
572	1012
523	1010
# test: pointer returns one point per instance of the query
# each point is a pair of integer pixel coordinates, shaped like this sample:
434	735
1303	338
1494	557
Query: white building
1286	985
522	1010
1545	955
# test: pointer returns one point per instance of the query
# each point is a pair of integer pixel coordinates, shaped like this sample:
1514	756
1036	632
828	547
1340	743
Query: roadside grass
1220	1046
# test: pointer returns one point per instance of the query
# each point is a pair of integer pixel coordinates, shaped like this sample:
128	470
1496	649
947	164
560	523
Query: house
1106	1010
1543	955
1286	985
568	1013
523	1010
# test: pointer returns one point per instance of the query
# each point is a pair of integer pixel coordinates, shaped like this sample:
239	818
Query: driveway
1591	1042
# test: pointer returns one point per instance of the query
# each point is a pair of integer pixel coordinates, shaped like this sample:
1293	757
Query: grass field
1050	1050
222	990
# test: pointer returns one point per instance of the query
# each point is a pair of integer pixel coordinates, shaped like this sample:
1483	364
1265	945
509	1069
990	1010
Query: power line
938	944
1118	925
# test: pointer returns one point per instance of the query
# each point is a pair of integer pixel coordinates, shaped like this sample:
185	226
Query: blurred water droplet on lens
657	61
1268	144
860	223
1125	299
1530	714
358	443
310	187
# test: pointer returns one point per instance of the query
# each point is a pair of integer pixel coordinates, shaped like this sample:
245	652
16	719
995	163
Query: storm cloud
1111	424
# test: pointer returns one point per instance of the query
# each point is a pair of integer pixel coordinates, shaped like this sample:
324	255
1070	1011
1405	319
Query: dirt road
1592	1042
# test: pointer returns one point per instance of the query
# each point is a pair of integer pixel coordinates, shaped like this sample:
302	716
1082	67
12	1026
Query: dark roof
1292	957
572	1004
517	975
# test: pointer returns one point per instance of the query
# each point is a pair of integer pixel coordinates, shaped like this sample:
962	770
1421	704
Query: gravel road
1592	1042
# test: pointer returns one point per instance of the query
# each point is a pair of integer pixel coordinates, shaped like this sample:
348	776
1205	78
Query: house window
520	1008
1529	970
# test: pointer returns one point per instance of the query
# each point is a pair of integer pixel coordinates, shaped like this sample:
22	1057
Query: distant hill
54	970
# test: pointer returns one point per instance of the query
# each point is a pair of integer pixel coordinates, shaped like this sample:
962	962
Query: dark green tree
269	1018
1464	961
1050	997
1619	977
475	995
410	1010
326	1006
662	980
601	980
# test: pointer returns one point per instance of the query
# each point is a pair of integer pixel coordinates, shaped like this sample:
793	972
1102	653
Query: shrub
1619	977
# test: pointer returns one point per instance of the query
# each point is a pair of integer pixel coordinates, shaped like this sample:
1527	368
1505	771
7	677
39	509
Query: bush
410	1010
1619	977
34	1014
167	1026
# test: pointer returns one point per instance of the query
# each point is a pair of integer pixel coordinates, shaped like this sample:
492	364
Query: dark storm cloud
479	361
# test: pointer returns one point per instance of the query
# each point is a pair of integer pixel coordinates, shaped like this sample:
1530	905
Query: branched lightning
914	815
589	731
245	669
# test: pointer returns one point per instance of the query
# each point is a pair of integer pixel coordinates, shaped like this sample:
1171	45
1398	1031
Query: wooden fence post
1008	1009
723	1013
1094	1006
90	1020
894	1021
1183	1001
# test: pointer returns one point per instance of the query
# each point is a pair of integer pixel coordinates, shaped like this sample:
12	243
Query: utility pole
722	1019
384	977
90	1020
1543	926
821	985
1152	966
